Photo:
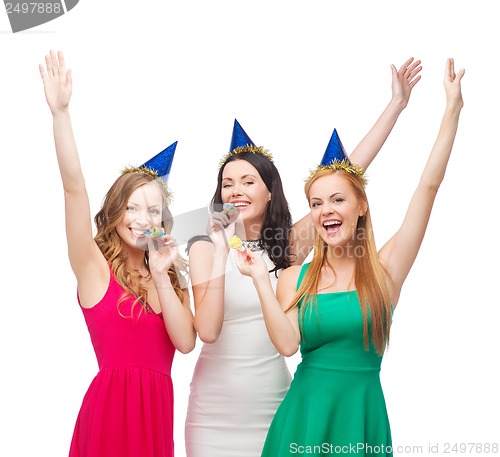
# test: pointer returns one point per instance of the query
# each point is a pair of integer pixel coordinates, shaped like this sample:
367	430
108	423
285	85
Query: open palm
57	82
404	79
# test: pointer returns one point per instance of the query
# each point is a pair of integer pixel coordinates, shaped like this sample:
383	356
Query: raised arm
403	81
85	258
401	250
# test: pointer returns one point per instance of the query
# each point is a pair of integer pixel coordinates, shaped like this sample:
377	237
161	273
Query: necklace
253	245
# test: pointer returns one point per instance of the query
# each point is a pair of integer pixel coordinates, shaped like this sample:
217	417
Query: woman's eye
226	186
130	208
314	204
155	211
338	200
249	182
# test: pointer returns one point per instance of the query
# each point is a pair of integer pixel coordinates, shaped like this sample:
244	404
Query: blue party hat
240	137
158	166
161	163
241	142
336	159
334	151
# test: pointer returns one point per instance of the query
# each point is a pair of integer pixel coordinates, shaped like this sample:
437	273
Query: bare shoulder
201	259
290	275
201	248
287	288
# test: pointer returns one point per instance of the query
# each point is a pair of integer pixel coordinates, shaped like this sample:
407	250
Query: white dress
239	381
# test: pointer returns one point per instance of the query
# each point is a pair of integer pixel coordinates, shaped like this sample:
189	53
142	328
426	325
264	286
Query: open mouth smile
240	204
332	226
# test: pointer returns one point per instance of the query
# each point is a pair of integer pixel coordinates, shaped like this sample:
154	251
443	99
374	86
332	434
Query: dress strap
302	273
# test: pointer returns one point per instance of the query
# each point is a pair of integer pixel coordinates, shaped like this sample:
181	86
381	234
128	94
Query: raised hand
162	253
404	80
57	82
221	227
400	252
452	84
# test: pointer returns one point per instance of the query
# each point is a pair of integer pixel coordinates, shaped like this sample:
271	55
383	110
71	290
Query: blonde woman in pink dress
135	306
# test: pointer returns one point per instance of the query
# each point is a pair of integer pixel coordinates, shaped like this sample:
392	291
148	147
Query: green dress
335	404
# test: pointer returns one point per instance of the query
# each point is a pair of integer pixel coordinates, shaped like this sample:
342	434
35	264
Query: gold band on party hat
152	173
241	142
148	171
158	167
340	165
335	159
248	148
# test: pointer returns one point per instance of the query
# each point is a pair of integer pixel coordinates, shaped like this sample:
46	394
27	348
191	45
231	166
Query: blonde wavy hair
370	276
111	245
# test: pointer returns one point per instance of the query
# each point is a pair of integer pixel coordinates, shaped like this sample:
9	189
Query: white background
152	72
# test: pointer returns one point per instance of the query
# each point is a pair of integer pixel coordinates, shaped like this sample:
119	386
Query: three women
240	378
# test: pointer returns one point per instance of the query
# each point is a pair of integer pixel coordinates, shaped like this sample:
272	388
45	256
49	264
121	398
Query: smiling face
243	186
143	211
335	209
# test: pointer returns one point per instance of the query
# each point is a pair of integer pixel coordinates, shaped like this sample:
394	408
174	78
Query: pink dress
128	408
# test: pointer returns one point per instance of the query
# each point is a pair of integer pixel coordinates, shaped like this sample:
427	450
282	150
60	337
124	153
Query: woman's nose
236	190
143	218
327	209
